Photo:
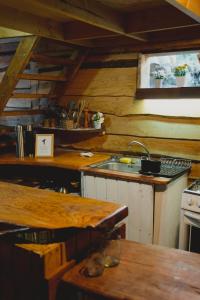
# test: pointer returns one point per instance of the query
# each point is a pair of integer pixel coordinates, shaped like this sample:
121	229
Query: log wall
166	127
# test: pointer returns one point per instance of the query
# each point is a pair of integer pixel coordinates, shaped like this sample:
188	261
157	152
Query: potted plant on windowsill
97	119
159	75
180	74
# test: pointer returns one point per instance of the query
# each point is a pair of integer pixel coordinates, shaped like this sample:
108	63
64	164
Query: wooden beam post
16	66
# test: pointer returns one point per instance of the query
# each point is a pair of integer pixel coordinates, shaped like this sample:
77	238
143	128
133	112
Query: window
167	67
169	72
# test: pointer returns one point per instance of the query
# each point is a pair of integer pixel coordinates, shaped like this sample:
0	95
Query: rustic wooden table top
35	208
145	272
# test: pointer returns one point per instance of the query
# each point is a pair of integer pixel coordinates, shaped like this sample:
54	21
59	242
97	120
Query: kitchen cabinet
153	209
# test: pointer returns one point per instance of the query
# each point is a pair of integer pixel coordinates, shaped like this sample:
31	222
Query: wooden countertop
127	176
63	159
73	160
35	208
145	272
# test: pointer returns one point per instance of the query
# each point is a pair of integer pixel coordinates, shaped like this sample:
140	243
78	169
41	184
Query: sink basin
169	167
118	166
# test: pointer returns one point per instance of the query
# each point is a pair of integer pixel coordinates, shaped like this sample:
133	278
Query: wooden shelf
168	93
74	130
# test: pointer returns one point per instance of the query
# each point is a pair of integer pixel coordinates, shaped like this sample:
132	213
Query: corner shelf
73	130
81	132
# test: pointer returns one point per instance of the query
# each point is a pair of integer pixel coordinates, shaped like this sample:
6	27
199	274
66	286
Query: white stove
189	235
191	197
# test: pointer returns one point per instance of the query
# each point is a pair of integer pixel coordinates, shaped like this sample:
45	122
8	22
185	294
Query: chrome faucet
140	144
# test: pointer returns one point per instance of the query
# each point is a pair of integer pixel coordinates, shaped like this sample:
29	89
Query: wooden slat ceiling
131	5
105	23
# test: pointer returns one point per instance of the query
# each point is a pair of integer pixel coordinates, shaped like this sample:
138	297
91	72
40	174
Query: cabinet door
141	198
137	196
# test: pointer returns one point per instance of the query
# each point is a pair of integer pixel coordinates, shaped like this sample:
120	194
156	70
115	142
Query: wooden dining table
145	272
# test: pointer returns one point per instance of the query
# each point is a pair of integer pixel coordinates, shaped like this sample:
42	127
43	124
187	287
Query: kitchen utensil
20	141
81	106
70	108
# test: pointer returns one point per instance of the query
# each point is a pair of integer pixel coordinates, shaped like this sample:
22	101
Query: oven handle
194	219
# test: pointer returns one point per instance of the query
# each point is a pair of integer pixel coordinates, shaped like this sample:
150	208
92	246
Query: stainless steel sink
170	167
118	166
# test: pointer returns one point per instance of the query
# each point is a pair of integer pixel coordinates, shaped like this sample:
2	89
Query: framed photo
44	145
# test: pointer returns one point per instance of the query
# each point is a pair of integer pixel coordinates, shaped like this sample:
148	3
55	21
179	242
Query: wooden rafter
16	66
18	20
93	13
10	33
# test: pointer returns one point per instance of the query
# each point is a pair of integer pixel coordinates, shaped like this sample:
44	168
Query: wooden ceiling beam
189	7
81	31
93	13
18	20
10	33
31	24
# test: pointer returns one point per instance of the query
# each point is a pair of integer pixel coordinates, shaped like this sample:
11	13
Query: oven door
189	237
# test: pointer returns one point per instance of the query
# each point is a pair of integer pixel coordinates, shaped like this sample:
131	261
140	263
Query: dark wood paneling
110	64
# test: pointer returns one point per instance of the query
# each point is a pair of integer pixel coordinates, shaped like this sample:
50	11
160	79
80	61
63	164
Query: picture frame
44	145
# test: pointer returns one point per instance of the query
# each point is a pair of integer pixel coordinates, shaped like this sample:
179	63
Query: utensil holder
68	124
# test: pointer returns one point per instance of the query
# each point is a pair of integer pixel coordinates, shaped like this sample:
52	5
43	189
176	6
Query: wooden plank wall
166	127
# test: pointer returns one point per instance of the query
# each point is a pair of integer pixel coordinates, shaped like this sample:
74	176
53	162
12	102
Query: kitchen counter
127	176
146	272
62	159
72	160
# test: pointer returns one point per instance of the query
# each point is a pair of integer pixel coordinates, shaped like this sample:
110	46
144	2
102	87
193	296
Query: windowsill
168	93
